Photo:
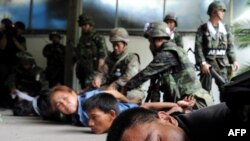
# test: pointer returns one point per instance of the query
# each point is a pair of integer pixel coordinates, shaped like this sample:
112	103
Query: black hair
129	118
20	25
23	108
45	108
102	101
7	23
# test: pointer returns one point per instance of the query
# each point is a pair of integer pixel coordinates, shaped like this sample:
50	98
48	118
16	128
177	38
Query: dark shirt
213	123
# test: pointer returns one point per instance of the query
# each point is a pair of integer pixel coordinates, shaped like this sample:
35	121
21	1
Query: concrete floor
14	128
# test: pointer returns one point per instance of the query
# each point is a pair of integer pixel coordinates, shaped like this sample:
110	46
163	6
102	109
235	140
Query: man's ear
165	118
112	114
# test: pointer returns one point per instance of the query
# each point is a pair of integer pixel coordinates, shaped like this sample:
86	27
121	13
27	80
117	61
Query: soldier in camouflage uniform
171	60
121	65
91	51
172	23
54	53
27	77
214	46
154	87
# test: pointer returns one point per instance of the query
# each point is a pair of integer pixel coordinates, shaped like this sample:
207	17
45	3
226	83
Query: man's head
6	23
141	124
20	26
119	38
217	8
171	20
157	33
86	23
26	60
64	99
55	37
102	110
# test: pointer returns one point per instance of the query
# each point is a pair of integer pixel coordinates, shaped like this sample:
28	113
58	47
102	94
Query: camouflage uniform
90	49
54	53
31	80
214	49
172	62
122	67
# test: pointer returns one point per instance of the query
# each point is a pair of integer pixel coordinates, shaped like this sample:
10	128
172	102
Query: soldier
173	61
171	21
27	77
154	87
54	53
214	47
121	64
91	51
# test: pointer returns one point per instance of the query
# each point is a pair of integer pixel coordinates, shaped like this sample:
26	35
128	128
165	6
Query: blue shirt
83	117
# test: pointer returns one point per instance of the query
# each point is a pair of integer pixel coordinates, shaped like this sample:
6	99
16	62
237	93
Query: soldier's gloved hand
205	68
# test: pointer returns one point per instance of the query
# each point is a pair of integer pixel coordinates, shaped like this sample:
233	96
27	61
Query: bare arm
119	96
159	105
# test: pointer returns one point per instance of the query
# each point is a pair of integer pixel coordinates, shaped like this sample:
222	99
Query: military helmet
171	16
54	33
119	34
156	29
25	58
85	19
215	6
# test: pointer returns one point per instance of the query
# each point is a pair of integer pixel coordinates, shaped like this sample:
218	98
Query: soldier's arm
198	52
230	49
20	45
46	50
178	40
132	69
101	45
162	62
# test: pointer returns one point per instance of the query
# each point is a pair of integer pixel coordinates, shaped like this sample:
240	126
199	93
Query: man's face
86	28
171	24
157	42
118	47
221	13
99	121
64	102
157	130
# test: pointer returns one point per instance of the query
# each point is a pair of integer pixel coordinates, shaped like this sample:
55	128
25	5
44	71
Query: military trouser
84	72
203	99
170	89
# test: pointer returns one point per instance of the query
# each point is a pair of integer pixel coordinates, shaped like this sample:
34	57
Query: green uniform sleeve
101	45
230	49
161	62
199	56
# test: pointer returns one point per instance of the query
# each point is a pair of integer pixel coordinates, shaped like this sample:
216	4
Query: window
102	11
16	10
49	14
107	14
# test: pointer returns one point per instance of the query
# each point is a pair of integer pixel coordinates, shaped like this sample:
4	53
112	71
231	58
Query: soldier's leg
223	73
170	89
